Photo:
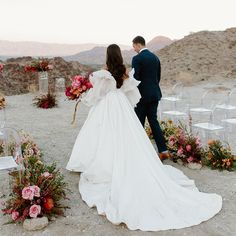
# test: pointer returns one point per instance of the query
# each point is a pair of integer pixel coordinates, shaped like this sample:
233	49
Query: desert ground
52	131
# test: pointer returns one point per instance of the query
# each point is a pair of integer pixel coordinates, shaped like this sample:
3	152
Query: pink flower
76	83
198	141
171	142
50	67
84	87
190	159
15	215
47	174
34	211
36	190
180	151
188	147
28	193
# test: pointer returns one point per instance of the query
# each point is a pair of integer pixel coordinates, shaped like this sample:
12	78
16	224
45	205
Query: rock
194	166
180	162
35	224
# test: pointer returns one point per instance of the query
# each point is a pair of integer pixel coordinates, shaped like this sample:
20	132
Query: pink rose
28	193
188	148
15	215
180	151
190	159
34	211
36	191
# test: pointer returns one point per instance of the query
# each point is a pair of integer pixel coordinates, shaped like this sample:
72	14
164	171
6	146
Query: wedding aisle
52	131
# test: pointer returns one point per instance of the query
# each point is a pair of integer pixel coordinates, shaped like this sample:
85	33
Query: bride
121	173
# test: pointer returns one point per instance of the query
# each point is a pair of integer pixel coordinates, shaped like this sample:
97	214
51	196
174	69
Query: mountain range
9	49
96	56
89	54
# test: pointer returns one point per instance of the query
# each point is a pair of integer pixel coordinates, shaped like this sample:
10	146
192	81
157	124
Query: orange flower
211	142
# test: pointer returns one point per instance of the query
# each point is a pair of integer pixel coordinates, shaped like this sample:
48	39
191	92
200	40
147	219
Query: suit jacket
147	69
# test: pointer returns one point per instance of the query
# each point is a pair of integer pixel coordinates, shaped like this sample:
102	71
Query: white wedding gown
122	174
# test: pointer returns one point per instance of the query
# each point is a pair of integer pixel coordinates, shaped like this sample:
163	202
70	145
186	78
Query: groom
148	70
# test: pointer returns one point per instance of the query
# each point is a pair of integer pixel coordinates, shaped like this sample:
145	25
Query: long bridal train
122	174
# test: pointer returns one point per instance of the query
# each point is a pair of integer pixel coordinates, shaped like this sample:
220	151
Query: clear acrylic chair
229	105
205	108
230	129
10	155
176	111
175	95
209	130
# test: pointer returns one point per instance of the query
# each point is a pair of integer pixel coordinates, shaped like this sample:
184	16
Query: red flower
48	203
67	92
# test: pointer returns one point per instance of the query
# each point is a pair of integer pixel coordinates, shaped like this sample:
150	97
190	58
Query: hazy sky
111	21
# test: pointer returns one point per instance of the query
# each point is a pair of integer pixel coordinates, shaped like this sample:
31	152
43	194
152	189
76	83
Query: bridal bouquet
39	66
79	85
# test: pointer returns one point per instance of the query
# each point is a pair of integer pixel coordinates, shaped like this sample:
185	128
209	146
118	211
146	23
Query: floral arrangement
37	192
2	102
39	66
148	130
185	146
1	67
45	101
28	146
79	85
219	157
169	128
181	143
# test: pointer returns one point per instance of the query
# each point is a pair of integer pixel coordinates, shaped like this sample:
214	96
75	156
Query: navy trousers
149	109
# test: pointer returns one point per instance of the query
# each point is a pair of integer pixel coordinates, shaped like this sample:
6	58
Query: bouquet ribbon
74	115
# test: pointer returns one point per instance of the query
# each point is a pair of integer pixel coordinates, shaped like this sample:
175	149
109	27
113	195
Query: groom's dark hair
139	39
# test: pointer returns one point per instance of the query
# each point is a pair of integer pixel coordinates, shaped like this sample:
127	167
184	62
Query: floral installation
79	85
185	146
37	192
181	143
169	128
218	156
40	65
45	101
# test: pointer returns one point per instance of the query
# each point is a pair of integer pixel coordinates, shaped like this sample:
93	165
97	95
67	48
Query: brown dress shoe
164	155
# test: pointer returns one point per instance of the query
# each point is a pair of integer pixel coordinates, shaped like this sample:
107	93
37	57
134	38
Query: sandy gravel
55	136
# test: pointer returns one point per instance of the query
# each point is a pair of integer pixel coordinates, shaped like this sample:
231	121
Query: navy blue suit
147	69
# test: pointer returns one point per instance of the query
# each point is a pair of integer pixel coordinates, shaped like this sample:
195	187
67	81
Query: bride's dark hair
115	66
